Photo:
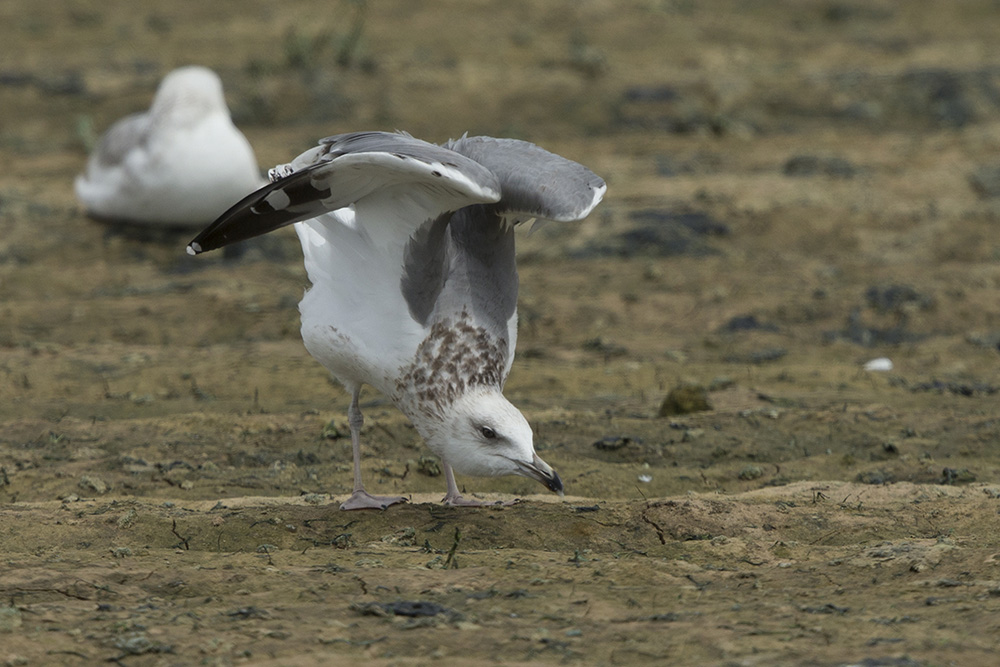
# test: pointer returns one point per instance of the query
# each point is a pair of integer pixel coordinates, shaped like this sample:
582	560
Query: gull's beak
543	472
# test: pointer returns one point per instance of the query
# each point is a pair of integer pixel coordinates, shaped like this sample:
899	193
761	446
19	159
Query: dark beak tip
555	484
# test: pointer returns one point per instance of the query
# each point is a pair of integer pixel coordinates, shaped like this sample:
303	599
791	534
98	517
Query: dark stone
16	79
615	442
66	83
944	95
828	608
660	233
957	476
668	108
860	333
891	298
411	608
245	613
694	221
604	347
887	662
875	477
416	608
957	388
745	323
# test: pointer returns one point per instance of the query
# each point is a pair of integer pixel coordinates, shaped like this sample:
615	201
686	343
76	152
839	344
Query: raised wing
422	179
534	183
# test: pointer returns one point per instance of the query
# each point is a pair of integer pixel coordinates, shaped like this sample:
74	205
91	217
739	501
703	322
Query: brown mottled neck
455	357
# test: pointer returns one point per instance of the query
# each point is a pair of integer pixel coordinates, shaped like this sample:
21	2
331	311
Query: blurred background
792	280
795	188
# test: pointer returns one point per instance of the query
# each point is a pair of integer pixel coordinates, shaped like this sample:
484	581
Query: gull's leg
361	499
455	498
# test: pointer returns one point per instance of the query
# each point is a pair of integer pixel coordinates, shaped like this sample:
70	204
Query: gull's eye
487	432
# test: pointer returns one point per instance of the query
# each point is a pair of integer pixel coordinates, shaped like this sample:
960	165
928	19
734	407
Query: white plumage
182	163
410	250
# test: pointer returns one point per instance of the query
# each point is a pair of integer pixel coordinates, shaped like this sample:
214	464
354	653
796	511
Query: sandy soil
795	188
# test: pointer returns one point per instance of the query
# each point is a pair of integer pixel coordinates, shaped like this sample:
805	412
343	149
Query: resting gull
180	164
410	250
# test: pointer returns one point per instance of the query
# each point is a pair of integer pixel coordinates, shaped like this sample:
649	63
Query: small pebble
645	479
880	364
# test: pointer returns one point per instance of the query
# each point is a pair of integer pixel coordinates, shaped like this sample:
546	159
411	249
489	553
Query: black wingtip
286	201
240	222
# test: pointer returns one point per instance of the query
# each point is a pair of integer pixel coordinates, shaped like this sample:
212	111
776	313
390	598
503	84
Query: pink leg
361	499
455	499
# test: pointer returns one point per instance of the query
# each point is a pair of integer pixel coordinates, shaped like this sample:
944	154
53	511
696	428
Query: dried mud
794	189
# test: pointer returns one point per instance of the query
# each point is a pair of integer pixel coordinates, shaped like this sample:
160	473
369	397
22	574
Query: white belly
354	319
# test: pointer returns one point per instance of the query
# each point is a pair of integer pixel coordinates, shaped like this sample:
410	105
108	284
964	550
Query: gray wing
485	262
348	167
376	172
534	183
477	268
459	261
124	135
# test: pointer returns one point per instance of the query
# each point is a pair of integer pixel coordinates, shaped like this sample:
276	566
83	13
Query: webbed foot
362	500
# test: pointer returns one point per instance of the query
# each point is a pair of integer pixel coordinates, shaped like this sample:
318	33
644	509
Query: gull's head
189	93
483	434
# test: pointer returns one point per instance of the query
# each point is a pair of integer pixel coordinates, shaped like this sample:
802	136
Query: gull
180	164
409	247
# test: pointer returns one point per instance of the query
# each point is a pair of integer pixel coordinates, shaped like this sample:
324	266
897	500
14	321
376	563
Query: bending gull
410	250
181	164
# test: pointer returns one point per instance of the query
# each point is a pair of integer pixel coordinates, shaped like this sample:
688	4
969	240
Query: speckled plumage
410	250
455	356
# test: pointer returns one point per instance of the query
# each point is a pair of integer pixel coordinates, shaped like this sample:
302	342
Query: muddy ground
795	189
